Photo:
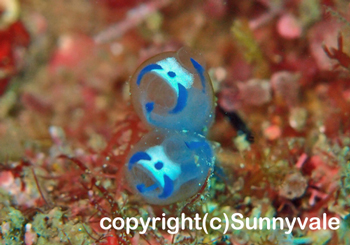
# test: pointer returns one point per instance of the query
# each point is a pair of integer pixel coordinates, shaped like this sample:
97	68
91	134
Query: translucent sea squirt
173	90
167	166
172	93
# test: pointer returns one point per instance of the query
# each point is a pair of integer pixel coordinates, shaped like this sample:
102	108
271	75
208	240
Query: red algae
13	37
280	71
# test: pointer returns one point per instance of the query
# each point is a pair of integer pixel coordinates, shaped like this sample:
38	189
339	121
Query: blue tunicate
173	91
173	95
168	170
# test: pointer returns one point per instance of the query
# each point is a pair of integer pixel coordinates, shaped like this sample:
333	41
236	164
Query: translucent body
167	166
173	90
172	93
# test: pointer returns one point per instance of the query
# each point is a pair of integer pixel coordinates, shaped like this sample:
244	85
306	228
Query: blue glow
182	77
159	165
149	107
145	70
157	154
137	157
181	100
171	74
200	71
168	188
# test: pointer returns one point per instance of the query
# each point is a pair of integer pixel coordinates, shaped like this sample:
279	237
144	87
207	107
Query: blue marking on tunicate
145	70
168	187
200	71
192	145
149	106
171	74
159	165
181	100
142	188
137	157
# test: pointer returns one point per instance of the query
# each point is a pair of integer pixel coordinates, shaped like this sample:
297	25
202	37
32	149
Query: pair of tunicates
172	93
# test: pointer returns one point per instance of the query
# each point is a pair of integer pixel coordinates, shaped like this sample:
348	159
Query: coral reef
281	135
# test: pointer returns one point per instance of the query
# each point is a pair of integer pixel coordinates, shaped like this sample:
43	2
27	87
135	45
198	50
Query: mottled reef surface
281	74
